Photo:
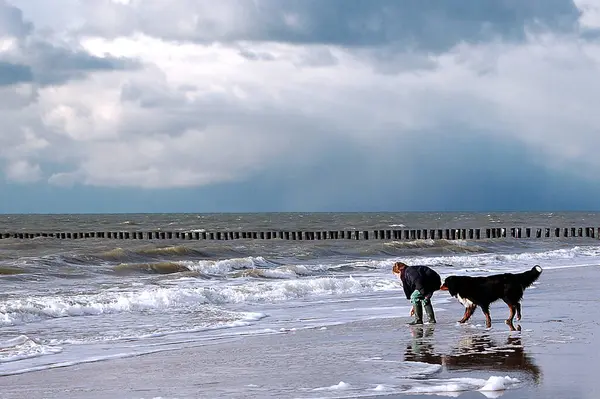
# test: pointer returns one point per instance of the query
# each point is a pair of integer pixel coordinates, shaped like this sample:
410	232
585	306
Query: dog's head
450	284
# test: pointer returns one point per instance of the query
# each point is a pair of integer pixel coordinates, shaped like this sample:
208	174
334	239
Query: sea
67	302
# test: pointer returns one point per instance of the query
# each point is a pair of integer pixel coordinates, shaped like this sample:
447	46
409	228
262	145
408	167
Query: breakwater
348	234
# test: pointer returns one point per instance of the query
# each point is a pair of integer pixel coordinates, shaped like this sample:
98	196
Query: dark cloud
35	58
451	172
53	65
426	25
14	73
430	25
423	24
350	132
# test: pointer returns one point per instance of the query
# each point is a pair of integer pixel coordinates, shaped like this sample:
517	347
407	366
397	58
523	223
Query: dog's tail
530	276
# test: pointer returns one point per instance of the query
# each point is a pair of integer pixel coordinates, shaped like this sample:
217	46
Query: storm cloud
311	105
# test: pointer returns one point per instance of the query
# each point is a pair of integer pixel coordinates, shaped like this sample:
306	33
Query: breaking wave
178	297
123	255
454	246
153	268
503	259
24	347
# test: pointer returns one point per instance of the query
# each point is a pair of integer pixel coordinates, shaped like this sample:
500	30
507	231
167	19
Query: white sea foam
337	387
492	384
493	387
92	359
500	262
209	324
498	383
178	297
23	347
381	388
473	263
222	267
145	299
310	287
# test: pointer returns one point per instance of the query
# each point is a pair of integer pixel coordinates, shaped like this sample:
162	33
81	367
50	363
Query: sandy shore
555	356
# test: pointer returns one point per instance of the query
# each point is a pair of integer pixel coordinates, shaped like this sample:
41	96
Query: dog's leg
509	321
488	318
465	316
518	306
468	313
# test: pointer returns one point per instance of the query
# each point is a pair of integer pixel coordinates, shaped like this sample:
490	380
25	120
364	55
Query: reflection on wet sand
473	352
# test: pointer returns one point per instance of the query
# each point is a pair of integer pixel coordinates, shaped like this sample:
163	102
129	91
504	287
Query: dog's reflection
473	352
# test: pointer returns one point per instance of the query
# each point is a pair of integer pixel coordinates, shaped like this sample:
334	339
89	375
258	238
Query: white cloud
198	113
22	171
590	13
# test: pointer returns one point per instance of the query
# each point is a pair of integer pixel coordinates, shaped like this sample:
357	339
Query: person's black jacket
421	278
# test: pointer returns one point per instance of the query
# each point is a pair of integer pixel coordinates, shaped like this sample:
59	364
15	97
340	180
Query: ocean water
65	302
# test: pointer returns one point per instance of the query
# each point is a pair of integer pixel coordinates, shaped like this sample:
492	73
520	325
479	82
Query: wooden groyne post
488	233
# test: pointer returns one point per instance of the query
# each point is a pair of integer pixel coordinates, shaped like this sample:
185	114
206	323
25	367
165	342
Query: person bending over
419	284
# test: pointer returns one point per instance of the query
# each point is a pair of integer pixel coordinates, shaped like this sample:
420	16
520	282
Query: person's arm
407	290
433	283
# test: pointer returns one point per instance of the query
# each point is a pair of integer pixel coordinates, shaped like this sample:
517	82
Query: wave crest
23	347
153	268
456	246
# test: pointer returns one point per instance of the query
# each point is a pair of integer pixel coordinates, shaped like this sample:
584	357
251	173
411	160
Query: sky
299	105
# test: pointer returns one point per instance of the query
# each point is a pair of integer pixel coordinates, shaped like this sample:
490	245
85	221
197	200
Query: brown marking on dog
468	313
509	321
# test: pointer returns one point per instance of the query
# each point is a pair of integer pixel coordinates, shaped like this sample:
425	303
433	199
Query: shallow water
350	346
65	302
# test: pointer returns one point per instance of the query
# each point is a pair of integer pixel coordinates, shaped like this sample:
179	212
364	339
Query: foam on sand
492	384
493	387
337	387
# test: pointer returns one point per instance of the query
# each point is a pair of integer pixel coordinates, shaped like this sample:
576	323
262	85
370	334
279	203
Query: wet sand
554	356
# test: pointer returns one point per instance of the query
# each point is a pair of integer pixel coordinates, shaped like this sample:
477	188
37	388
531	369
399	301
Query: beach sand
554	356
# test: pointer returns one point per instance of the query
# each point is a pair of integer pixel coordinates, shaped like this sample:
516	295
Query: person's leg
416	299
429	310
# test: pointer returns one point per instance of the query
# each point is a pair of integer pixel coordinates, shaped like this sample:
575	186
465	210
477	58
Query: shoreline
553	356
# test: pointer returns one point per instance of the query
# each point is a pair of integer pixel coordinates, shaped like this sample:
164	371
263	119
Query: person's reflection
473	352
420	349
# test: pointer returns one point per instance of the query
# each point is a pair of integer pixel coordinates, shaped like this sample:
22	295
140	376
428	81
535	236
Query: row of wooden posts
385	234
